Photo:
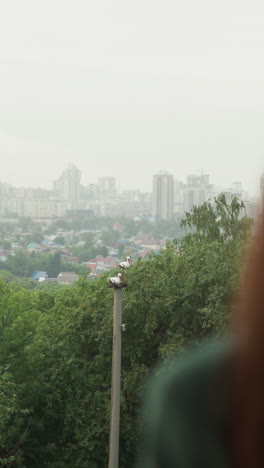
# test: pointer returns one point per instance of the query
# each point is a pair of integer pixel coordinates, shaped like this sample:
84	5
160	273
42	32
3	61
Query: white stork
116	280
126	264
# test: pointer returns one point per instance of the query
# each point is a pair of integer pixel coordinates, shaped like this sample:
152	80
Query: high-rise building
107	185
193	197
196	191
178	196
90	192
68	186
163	196
252	209
197	181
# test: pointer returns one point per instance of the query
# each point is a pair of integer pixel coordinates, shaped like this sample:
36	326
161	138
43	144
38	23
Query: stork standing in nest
126	264
117	281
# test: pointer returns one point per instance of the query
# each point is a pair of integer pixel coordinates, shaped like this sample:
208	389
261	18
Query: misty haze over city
126	90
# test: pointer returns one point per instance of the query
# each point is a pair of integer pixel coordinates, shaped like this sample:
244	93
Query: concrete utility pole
116	378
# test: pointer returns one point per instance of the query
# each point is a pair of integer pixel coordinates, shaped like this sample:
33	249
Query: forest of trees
55	346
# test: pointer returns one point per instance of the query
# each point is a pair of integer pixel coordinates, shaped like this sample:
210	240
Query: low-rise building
33	247
67	277
39	276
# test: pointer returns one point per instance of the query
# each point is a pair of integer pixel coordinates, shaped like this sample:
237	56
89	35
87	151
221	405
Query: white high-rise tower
163	196
68	186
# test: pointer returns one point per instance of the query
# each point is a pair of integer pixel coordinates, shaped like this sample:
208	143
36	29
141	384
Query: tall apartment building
193	197
107	185
196	191
90	192
252	209
68	186
163	196
197	181
178	196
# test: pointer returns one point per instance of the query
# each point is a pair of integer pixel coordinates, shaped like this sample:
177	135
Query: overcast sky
128	88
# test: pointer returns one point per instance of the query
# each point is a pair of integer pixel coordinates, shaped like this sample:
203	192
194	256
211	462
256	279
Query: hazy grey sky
129	88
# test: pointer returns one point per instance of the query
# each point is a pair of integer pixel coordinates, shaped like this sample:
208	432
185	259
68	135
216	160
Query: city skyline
99	180
250	182
169	197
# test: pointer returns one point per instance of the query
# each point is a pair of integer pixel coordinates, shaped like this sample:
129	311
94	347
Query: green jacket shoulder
185	415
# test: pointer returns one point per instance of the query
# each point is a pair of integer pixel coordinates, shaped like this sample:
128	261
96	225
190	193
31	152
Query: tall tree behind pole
116	377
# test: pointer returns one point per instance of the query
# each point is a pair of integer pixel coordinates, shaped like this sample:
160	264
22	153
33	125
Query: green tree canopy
218	220
55	345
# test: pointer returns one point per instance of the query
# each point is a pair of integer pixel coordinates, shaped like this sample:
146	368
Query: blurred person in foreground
207	409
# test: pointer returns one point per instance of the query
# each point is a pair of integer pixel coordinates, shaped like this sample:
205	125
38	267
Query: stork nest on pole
118	286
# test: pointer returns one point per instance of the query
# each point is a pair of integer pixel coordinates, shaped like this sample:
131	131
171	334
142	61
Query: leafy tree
19	264
121	248
218	220
13	420
6	275
6	245
88	238
86	252
54	265
144	226
110	237
28	225
131	228
59	240
49	287
5	228
36	237
170	228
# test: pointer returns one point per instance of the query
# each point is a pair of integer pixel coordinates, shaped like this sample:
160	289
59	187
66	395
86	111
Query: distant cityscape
52	236
170	196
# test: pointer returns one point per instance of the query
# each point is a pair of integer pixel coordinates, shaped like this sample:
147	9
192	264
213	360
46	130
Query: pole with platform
116	376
